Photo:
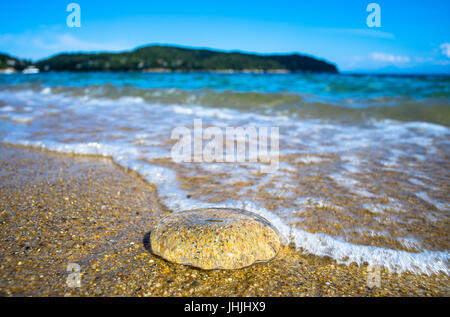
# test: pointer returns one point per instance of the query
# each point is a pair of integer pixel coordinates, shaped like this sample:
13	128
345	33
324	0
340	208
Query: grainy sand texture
61	209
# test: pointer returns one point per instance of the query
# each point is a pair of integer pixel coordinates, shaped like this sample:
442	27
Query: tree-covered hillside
7	61
170	58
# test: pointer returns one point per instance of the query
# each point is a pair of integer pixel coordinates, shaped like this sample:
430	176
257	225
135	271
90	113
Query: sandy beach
59	209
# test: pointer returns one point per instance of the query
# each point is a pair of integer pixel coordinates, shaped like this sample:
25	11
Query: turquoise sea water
363	160
325	85
352	97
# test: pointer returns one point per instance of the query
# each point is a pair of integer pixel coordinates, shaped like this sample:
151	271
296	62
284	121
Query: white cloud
443	63
445	49
67	42
367	33
45	42
383	57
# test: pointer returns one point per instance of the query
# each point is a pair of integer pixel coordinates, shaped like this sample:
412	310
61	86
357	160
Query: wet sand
60	209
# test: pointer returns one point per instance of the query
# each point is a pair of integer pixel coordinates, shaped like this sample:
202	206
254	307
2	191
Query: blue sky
414	34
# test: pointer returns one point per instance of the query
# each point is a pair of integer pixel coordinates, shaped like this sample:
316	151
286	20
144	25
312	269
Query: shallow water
364	160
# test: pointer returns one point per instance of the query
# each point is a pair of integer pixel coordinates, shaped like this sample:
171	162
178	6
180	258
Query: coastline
57	209
219	71
170	71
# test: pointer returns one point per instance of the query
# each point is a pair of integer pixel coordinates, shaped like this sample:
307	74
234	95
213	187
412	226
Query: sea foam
140	124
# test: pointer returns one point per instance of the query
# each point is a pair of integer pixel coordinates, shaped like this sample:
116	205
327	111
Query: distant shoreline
220	71
8	71
169	71
166	71
156	58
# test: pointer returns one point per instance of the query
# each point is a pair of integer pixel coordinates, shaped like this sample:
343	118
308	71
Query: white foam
309	159
7	109
435	203
202	112
21	118
374	208
46	91
326	138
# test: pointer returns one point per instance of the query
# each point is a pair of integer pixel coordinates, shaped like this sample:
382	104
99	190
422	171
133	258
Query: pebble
216	238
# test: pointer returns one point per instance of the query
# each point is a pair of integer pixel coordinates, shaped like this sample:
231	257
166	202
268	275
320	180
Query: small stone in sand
217	238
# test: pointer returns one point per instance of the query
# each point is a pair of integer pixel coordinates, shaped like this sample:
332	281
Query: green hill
171	58
7	61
